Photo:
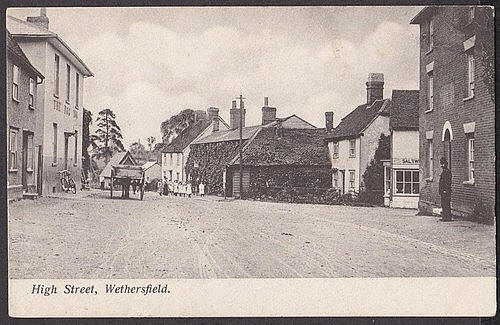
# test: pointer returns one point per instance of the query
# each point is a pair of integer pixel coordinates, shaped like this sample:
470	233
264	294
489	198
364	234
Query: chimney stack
213	116
374	87
268	113
42	20
329	121
234	120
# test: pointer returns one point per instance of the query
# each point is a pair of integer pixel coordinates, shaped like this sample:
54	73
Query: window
170	175
178	159
335	150
15	83
352	148
77	90
32	94
29	158
13	149
75	161
352	178
470	154
430	158
431	35
470	74
56	75
472	11
54	143
336	179
178	176
407	182
171	159
430	90
68	83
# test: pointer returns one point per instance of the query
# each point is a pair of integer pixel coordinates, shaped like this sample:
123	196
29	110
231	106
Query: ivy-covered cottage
174	155
352	144
282	163
212	158
401	171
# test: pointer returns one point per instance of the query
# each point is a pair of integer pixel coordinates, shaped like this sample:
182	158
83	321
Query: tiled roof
17	51
355	122
299	147
229	135
187	136
404	109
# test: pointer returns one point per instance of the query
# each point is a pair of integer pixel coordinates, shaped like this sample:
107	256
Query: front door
447	148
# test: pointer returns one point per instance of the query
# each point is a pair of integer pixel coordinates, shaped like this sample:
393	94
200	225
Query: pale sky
150	63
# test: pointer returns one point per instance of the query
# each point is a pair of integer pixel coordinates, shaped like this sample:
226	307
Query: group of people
178	188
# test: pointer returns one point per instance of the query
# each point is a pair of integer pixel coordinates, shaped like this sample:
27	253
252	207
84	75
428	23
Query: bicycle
67	182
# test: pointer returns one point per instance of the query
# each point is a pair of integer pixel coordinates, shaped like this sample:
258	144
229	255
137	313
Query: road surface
88	235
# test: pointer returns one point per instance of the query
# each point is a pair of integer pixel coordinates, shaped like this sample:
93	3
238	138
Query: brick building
60	97
457	112
23	117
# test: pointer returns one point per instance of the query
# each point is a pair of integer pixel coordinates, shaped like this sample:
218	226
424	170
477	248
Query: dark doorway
39	170
447	147
24	163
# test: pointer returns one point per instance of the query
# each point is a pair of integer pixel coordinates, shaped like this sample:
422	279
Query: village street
88	235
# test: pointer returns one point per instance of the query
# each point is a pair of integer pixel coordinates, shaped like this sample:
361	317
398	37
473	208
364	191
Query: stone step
29	195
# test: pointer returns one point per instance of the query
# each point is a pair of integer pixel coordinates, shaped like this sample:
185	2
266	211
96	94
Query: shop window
407	182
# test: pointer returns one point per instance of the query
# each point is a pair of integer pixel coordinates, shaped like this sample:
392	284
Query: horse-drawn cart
127	175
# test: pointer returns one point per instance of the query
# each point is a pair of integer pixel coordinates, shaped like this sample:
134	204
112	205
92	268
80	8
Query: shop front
401	183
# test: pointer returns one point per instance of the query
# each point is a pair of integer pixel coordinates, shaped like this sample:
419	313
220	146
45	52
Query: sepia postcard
250	161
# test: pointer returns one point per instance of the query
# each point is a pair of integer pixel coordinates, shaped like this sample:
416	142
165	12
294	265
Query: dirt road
91	236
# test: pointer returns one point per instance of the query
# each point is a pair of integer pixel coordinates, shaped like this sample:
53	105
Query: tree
87	142
107	137
151	141
373	177
175	124
138	151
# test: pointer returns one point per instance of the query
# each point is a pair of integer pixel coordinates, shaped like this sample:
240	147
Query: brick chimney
374	87
42	20
213	116
268	113
234	113
329	121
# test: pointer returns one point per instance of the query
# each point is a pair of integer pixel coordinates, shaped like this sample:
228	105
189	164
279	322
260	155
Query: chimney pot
42	20
266	101
213	115
329	121
234	118
374	87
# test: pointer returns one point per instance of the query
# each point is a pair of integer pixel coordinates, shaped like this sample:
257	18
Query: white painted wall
405	144
345	162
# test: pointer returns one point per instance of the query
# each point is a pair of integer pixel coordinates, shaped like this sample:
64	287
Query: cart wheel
142	192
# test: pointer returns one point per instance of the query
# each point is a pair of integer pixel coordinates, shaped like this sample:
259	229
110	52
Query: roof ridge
27	23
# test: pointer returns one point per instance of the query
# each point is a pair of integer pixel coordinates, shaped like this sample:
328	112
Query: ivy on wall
207	162
373	177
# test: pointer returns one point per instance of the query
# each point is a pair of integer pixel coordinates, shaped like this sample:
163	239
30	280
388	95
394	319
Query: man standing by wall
445	190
